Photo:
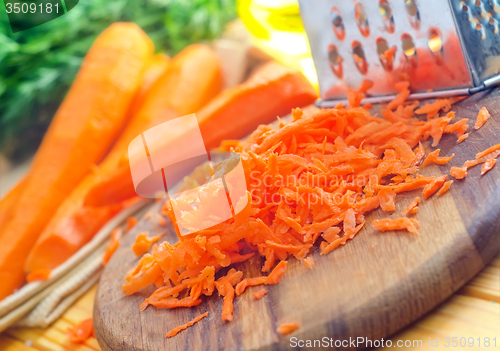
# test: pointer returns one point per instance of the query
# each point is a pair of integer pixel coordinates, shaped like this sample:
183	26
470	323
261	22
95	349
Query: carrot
433	186
462	137
412	207
260	294
274	88
482	117
41	274
404	93
287	328
180	328
458	172
315	177
84	126
143	243
433	157
445	187
81	332
131	223
488	151
404	223
114	243
59	240
432	109
489	164
8	202
309	262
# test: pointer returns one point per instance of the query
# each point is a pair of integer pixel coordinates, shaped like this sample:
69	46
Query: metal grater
444	47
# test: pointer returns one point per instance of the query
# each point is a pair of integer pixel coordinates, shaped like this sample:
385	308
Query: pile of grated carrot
324	172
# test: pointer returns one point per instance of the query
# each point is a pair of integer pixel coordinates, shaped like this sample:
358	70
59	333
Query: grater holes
361	19
413	13
409	49
493	23
386	55
337	23
480	30
335	61
435	44
359	57
387	18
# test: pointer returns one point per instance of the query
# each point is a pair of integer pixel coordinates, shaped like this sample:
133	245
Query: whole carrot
273	91
86	123
75	223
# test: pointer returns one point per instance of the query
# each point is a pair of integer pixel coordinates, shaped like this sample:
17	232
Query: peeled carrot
87	122
59	239
81	332
8	202
180	328
275	89
287	328
482	117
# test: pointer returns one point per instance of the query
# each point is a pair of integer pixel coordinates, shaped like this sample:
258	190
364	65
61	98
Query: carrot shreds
412	207
81	332
433	157
433	186
404	223
462	137
482	117
309	262
488	151
113	245
39	274
489	164
287	328
310	182
445	187
180	328
161	220
143	243
260	294
131	222
458	172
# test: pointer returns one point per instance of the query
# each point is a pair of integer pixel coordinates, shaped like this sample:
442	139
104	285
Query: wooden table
474	311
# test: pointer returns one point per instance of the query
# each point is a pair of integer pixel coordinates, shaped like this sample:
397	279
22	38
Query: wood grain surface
372	287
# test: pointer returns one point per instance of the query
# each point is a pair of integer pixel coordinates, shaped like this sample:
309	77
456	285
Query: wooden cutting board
375	285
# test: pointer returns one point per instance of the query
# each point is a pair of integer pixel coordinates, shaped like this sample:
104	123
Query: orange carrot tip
39	274
287	328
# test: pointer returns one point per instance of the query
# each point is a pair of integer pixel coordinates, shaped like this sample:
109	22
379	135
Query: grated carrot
309	262
404	223
462	137
81	332
260	294
324	172
143	243
445	187
482	117
433	157
411	207
131	222
180	328
114	243
287	328
489	164
488	151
